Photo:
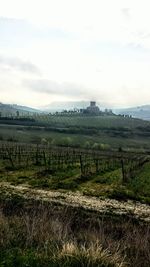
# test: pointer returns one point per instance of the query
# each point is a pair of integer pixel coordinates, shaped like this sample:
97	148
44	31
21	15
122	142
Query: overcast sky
61	50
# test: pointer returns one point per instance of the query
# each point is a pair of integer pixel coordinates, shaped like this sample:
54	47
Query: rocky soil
132	208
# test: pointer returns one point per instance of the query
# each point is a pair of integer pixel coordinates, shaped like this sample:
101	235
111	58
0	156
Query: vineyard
89	162
40	216
98	156
58	120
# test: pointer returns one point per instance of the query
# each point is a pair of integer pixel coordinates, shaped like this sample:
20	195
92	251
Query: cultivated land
79	131
75	191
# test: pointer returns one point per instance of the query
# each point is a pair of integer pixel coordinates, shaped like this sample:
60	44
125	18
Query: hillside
68	105
141	112
73	186
78	130
11	109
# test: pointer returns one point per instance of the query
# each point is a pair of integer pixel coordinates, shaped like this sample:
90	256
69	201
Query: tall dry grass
58	236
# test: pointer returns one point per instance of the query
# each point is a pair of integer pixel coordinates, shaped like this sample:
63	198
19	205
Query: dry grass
59	236
93	255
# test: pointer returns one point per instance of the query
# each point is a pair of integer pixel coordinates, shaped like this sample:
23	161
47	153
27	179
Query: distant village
15	111
93	109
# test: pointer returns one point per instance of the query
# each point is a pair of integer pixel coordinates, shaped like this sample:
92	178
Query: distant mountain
24	108
141	112
7	109
69	105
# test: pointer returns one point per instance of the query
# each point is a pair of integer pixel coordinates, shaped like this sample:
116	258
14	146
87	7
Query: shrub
93	256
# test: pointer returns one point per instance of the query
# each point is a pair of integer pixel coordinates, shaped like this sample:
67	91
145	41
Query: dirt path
136	209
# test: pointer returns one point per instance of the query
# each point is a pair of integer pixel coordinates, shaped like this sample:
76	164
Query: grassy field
90	161
101	132
92	121
22	134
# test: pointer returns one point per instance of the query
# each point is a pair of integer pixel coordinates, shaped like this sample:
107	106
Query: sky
72	50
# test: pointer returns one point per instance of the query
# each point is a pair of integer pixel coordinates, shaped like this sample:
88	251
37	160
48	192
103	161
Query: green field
80	131
104	121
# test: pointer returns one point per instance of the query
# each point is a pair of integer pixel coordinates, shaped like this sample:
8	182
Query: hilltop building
93	109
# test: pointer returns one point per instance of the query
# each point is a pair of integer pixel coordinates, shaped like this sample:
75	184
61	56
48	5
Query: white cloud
13	64
101	46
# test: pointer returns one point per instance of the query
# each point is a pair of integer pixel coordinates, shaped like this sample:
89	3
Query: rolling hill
141	112
11	109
